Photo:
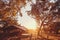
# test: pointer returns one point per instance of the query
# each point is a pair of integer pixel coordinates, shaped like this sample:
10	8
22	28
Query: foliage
9	9
8	12
46	12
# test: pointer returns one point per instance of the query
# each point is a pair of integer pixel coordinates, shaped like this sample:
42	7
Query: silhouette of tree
8	12
9	8
45	12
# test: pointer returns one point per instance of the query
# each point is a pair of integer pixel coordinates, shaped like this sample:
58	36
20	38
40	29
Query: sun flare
31	25
27	22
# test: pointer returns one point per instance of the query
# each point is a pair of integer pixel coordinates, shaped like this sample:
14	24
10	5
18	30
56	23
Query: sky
26	20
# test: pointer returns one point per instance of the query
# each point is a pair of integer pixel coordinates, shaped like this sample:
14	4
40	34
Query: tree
8	11
9	8
45	12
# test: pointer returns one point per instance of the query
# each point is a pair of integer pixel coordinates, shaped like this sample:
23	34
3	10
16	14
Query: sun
31	25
